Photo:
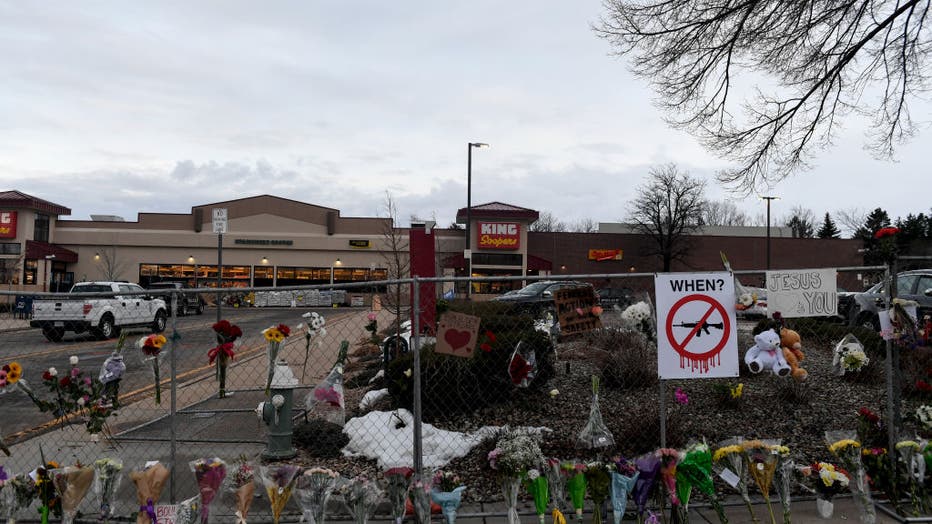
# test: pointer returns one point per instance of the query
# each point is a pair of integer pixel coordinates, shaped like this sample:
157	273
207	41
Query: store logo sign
7	224
499	235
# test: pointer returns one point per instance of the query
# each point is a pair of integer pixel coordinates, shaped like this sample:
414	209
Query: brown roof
498	210
19	199
36	250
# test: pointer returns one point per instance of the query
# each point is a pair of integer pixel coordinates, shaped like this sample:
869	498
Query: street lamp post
468	252
768	199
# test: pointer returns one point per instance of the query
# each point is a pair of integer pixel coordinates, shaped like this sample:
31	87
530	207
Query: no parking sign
696	329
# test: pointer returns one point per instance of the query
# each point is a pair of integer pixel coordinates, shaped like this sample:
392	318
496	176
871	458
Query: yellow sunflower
273	335
158	341
15	372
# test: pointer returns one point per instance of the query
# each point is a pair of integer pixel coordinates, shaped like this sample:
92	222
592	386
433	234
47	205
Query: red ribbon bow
224	349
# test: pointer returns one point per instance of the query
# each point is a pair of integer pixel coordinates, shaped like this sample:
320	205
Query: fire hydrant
276	413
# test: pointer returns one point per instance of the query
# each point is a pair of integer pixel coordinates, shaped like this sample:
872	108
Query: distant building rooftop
720	231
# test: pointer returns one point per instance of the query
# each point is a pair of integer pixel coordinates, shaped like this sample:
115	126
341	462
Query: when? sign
696	327
802	292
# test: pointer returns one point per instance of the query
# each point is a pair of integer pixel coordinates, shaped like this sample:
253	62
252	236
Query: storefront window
30	272
41	224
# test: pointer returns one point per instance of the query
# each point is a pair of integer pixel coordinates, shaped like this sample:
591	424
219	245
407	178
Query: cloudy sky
122	107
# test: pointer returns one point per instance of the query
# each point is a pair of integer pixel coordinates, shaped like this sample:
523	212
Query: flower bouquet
762	464
595	434
536	485
882	476
783	478
149	483
313	329
576	486
599	484
279	481
695	470
669	458
108	473
244	488
913	472
624	476
447	492
313	490
730	464
360	496
222	353
111	373
23	489
515	452
556	481
151	347
397	485
72	484
274	335
10	374
45	490
420	497
327	400
640	317
209	474
648	467
848	450
849	355
827	482
188	511
6	494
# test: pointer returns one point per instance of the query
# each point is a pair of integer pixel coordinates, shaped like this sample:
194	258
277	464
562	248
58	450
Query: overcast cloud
120	108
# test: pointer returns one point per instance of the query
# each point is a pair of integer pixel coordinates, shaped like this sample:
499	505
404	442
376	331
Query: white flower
532	474
53	372
746	299
554	392
924	414
408	372
73	360
81	402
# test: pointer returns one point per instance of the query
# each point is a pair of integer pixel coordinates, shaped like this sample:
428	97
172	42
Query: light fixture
265	260
97	256
338	263
191	258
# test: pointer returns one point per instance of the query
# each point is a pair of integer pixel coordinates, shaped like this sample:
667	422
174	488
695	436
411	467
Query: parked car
610	297
537	298
187	301
862	308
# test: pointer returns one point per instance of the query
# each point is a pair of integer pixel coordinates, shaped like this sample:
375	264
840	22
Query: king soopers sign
499	235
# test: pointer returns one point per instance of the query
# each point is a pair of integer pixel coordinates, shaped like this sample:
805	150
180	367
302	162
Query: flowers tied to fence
107	475
516	452
149	481
223	353
75	393
274	335
279	482
313	330
72	484
243	487
209	473
151	347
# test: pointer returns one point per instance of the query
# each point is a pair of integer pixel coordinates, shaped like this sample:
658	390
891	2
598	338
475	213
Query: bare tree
546	223
110	266
851	219
668	208
10	269
585	225
802	221
723	213
822	56
396	258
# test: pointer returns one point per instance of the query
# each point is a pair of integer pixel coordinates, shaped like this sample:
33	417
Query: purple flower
3	475
649	467
681	396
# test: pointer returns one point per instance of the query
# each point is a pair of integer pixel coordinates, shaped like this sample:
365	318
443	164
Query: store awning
37	250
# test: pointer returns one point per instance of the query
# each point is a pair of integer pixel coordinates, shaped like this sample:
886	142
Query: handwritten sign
165	513
574	310
802	292
457	335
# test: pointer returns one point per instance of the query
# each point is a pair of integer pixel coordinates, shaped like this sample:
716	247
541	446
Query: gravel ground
771	407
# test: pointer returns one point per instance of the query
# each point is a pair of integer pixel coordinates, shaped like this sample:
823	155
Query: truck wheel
158	325
53	334
106	329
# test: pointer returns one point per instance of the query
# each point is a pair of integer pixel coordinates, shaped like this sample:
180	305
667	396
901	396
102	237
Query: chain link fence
388	374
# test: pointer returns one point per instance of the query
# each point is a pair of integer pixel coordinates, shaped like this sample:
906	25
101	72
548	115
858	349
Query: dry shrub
639	431
629	361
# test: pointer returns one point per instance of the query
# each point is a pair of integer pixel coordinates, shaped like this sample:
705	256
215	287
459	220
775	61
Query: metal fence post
416	347
173	438
663	414
892	423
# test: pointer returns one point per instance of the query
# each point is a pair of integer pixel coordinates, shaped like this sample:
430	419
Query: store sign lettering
7	224
499	235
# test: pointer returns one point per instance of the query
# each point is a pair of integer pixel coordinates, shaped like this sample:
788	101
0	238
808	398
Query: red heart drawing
457	339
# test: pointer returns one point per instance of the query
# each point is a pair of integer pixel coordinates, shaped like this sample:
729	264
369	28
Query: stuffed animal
793	353
766	354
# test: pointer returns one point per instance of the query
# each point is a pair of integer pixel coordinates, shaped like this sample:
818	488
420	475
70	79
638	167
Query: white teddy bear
766	353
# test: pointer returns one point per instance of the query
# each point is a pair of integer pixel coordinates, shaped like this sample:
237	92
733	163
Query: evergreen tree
877	219
828	229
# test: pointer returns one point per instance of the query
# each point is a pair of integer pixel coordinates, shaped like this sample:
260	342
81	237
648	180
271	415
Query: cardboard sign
165	513
457	335
499	235
696	327
574	310
802	292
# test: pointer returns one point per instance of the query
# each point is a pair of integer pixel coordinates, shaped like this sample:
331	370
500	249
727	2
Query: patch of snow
371	397
377	376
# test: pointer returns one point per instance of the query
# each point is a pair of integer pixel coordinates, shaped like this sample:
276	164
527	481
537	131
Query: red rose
65	382
489	335
485	347
284	329
886	232
923	386
868	415
47	376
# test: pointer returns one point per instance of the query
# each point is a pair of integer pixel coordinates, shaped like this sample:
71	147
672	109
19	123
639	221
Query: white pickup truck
104	316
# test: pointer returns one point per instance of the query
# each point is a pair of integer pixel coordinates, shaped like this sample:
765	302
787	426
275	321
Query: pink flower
680	396
328	395
371	317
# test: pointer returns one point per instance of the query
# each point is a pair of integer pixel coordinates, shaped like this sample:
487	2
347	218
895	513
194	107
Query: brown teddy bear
793	353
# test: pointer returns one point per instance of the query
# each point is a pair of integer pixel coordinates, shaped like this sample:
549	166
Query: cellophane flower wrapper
556	482
599	485
45	490
6	494
695	470
327	400
783	480
111	373
595	434
421	487
397	484
279	482
576	488
313	490
209	473
361	495
910	458
762	465
152	360
844	445
510	488
243	486
622	485
449	502
107	475
23	490
72	484
149	482
537	486
648	471
729	455
188	511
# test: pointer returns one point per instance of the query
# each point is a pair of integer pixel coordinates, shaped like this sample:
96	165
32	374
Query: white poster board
802	292
220	220
696	328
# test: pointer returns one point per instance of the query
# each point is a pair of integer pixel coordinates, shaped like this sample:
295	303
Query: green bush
452	386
